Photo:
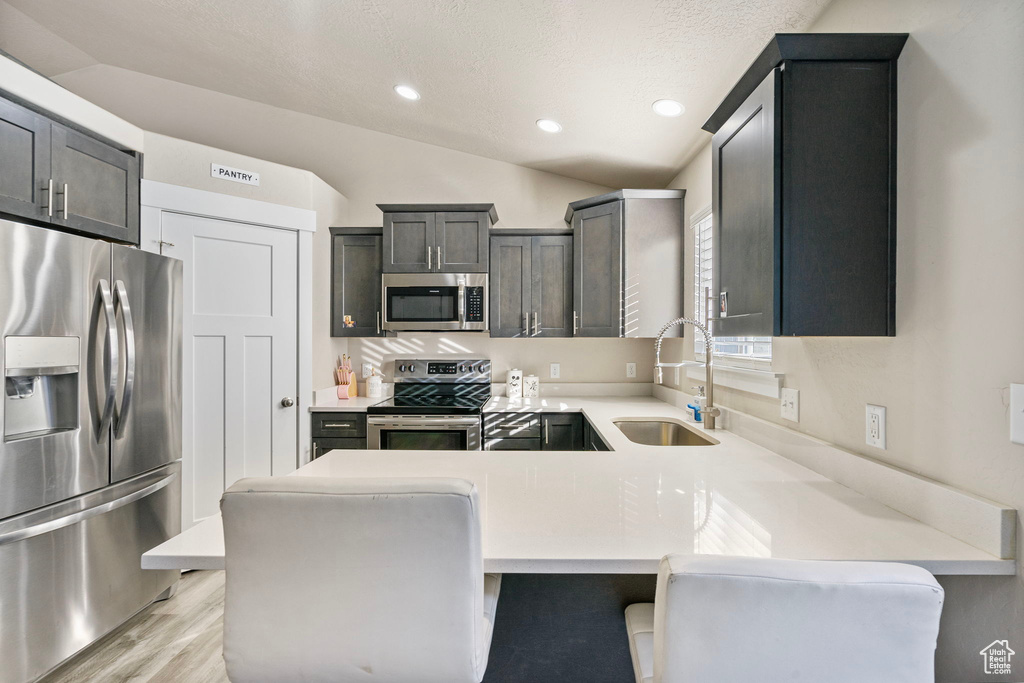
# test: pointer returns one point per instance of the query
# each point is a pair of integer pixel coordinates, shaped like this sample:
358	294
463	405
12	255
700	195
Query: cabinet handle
49	198
575	322
339	425
536	324
378	322
316	448
439	258
526	324
430	258
546	432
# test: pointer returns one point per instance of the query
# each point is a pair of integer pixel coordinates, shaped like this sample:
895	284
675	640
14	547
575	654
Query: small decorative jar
374	385
514	383
531	386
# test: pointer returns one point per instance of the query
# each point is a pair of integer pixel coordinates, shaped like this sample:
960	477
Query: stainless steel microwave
435	302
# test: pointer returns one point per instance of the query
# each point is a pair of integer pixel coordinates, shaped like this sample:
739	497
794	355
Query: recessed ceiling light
407	92
549	126
668	108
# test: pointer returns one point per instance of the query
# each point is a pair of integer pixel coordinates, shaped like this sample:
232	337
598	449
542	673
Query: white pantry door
240	362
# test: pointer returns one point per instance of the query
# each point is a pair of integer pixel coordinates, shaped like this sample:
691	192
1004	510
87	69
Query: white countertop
357	404
621	511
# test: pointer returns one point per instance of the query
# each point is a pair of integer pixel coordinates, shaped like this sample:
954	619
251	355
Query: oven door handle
423	421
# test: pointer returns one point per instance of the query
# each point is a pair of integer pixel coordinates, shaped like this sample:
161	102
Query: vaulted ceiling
486	69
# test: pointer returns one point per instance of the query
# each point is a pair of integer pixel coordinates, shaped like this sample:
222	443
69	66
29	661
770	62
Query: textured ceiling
487	69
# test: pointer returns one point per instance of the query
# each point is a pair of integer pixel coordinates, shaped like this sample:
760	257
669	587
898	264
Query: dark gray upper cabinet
511	286
462	239
356	281
597	274
437	238
56	174
804	189
409	243
24	162
627	262
531	285
96	187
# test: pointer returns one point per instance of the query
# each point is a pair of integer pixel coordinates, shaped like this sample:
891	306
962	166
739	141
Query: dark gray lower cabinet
592	440
332	430
533	432
356	282
561	432
531	286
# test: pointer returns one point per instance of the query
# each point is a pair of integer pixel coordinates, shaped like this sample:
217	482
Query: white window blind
742	351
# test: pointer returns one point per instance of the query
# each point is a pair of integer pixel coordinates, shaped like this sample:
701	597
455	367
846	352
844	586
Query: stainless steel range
437	405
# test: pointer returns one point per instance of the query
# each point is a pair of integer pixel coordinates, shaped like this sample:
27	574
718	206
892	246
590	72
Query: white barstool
355	580
738	619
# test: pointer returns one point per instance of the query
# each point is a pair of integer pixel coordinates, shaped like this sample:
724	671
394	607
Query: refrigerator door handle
20	533
121	414
111	357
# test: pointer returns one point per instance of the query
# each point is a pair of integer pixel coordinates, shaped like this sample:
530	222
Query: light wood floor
175	640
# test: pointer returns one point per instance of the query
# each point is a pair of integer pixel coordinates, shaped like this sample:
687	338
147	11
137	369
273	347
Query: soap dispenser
697	406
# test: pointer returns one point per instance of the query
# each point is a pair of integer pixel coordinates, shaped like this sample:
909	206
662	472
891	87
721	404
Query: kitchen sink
662	433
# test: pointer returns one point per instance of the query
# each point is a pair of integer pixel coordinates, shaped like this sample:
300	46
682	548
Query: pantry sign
236	175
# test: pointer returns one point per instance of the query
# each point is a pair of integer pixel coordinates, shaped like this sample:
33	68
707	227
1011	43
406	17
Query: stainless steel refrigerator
90	472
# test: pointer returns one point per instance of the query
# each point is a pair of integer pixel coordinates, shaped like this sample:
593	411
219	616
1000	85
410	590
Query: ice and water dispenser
41	376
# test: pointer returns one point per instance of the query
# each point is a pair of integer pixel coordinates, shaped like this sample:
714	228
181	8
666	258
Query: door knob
287	402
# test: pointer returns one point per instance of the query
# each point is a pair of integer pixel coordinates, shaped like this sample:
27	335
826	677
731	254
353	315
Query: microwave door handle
111	360
462	305
121	298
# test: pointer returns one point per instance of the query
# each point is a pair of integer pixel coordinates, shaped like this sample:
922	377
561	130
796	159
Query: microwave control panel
474	304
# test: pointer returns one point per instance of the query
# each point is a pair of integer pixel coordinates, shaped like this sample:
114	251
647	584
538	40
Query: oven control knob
401	368
462	368
412	368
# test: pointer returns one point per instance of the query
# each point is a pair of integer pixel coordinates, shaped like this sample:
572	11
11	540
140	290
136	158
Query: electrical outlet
555	371
367	370
874	426
1017	413
630	369
790	403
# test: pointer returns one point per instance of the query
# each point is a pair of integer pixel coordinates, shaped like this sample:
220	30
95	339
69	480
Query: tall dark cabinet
65	177
437	238
804	189
355	281
531	283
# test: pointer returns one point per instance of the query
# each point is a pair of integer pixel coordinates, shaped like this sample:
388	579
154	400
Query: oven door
434	301
423	433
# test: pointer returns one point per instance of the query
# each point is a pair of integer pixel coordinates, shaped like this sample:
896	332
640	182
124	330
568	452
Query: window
740	351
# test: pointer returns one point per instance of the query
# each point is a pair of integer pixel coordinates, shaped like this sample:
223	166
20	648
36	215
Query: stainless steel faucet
710	412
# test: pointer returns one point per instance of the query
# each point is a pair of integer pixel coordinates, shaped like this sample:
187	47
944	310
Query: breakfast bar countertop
621	511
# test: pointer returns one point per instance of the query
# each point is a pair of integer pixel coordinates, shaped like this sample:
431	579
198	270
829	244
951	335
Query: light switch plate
874	426
1017	413
790	402
555	371
630	370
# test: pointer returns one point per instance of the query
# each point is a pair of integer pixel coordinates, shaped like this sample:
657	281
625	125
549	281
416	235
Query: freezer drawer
71	572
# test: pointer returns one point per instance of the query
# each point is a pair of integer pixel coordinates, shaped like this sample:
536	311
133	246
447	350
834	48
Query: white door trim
158	198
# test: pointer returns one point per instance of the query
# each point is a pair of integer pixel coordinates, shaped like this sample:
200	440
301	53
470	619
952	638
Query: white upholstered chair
355	580
736	619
